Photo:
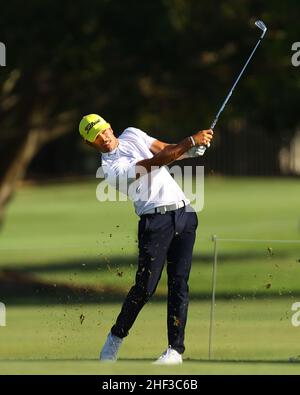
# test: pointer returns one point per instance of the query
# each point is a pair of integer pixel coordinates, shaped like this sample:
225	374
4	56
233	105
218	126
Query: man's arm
194	152
164	153
158	146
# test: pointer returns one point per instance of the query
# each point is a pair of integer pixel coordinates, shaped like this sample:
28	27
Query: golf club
261	26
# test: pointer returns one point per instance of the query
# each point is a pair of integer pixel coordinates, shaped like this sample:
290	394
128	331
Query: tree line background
164	66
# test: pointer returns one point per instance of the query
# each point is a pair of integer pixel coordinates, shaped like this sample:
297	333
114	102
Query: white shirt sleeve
137	134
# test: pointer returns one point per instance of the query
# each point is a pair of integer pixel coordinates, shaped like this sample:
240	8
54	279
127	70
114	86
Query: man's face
105	141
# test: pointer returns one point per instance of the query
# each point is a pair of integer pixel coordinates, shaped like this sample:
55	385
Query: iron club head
262	27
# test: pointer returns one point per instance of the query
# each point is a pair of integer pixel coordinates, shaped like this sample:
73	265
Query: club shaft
234	85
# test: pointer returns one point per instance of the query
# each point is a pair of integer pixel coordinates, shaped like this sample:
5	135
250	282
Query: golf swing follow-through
167	225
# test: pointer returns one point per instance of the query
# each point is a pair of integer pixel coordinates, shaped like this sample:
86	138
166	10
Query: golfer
167	225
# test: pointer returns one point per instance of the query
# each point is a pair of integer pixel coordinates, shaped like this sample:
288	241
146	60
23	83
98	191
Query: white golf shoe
109	352
169	357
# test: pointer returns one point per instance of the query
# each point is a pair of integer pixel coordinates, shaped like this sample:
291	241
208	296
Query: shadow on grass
21	288
24	286
104	264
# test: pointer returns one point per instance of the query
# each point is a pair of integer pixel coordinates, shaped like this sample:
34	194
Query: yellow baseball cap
91	125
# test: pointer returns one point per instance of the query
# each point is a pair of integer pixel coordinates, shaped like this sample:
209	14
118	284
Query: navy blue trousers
162	237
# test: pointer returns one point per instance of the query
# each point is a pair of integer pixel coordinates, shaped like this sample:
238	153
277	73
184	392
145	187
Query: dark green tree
163	65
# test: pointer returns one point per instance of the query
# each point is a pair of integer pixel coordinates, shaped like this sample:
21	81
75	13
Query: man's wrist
184	146
188	143
192	141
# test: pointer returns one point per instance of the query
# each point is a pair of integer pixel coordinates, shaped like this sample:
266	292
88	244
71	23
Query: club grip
203	147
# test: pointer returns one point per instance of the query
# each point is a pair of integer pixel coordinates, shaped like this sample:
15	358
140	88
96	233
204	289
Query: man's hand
203	137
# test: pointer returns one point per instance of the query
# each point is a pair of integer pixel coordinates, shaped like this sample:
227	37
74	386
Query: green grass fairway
144	367
46	339
63	256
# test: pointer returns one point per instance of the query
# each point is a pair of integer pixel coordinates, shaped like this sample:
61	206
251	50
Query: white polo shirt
154	189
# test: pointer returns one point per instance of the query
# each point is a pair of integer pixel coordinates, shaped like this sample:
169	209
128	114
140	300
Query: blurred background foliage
164	66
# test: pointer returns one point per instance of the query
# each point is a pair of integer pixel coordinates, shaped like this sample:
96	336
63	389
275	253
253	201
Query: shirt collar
113	152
